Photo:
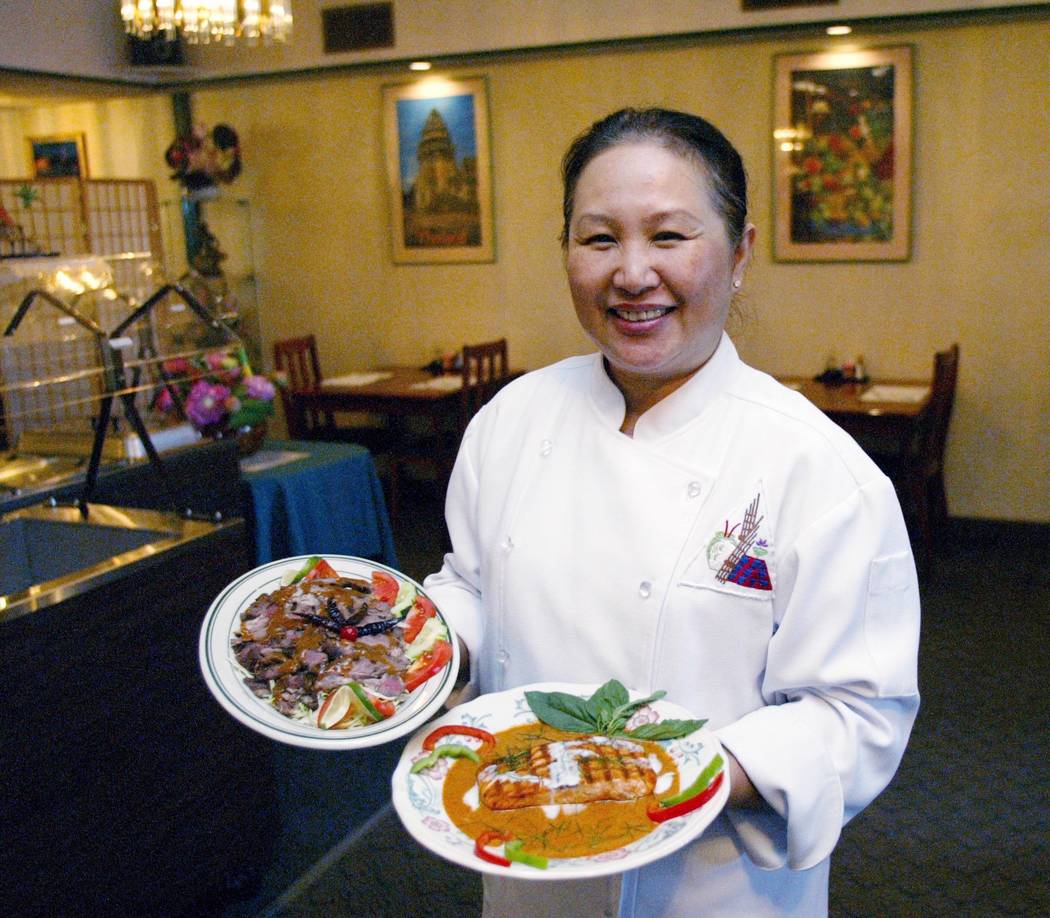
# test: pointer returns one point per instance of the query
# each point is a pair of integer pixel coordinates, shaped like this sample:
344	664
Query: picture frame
842	144
57	156
439	170
747	5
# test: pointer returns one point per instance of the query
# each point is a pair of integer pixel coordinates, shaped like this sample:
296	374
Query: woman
665	515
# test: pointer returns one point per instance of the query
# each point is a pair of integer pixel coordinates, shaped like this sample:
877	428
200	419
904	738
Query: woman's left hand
741	791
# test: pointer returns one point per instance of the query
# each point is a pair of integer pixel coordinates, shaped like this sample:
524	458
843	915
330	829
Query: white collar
677	409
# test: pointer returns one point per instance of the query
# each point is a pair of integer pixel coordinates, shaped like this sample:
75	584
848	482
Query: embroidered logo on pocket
738	553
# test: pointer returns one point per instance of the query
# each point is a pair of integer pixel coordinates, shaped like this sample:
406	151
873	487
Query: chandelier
205	21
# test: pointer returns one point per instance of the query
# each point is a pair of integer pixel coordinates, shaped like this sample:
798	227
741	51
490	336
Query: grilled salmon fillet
570	771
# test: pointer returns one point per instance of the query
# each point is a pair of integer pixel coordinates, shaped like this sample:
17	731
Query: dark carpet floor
962	829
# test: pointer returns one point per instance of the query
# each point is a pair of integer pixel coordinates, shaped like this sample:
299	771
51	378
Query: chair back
485	372
933	435
297	359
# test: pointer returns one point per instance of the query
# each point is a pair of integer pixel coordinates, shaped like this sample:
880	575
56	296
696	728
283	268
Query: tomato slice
384	587
383	706
322	570
421	611
429	664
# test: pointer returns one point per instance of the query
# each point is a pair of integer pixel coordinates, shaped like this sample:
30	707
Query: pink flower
217	360
177	365
206	403
259	387
164	402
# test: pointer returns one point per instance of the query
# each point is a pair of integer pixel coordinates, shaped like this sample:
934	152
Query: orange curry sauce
574	831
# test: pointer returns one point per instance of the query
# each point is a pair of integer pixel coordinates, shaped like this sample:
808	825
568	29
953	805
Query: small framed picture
842	156
57	156
439	171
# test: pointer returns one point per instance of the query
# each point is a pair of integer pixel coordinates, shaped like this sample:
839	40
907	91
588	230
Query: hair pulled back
688	135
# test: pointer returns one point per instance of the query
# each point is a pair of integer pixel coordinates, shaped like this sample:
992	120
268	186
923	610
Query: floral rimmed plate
226	680
418	797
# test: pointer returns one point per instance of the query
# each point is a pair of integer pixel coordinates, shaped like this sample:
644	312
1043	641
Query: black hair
685	134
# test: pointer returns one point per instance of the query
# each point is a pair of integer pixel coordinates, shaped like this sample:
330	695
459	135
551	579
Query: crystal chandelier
204	21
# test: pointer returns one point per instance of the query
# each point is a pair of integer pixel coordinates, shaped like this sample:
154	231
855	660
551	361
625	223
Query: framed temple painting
439	170
842	133
57	156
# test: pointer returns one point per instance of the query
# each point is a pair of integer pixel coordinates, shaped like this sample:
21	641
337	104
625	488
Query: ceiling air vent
358	27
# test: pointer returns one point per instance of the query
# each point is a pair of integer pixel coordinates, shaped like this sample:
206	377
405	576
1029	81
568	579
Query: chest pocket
735	554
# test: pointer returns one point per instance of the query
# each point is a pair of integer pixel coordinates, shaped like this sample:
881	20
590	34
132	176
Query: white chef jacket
742	553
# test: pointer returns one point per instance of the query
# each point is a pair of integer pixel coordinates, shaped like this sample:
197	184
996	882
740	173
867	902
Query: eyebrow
659	217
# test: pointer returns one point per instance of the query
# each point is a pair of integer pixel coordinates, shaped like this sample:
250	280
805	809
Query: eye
599	240
668	236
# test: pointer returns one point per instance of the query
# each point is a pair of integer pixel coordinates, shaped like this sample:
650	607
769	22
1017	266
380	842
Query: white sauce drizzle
472	798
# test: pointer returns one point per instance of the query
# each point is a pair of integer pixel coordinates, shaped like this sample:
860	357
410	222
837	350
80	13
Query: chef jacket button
545	448
503	658
695	488
507	544
645	589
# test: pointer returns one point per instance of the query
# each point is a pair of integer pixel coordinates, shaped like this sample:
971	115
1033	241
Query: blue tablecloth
329	501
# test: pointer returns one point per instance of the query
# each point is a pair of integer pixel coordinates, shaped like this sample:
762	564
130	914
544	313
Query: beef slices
289	642
583	770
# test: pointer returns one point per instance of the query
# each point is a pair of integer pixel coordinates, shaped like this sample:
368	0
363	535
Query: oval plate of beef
272	653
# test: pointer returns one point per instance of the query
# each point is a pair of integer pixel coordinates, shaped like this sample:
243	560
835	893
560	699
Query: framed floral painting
439	170
57	156
842	156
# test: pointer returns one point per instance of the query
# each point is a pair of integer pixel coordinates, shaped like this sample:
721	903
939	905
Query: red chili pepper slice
458	730
658	814
490	838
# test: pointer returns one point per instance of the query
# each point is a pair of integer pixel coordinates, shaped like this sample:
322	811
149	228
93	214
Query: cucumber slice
406	596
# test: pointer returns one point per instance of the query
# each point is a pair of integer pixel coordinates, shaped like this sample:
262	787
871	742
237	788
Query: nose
635	273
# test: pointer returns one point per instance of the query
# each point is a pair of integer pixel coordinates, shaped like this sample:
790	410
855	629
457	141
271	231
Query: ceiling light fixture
202	22
419	65
839	30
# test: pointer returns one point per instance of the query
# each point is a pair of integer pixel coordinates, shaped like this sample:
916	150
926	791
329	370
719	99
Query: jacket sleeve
456	588
840	682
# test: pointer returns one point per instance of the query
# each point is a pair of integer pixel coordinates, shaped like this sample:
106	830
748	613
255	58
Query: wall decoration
57	156
439	170
780	4
842	156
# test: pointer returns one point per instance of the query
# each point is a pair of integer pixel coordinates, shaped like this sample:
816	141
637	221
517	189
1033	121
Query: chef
662	514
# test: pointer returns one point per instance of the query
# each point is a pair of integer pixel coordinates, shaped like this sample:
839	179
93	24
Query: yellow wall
979	272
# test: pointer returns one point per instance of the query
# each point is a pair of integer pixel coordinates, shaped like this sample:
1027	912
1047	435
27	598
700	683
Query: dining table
876	408
309	497
396	391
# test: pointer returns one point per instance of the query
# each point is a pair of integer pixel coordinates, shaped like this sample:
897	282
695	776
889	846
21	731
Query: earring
736	285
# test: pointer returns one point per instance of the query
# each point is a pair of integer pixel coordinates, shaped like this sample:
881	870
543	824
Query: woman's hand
463	690
741	791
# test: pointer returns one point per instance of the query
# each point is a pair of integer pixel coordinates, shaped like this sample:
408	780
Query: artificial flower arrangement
217	392
205	158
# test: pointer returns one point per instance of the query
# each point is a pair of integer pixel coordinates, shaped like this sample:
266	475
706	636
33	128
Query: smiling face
650	266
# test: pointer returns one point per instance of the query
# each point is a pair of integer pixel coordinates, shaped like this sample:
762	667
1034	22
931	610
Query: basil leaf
563	711
611	695
666	729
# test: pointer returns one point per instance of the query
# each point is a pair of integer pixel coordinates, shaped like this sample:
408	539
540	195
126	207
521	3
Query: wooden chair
485	371
297	359
918	471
